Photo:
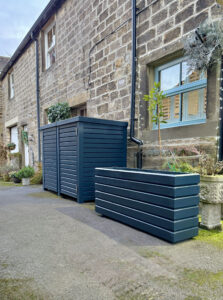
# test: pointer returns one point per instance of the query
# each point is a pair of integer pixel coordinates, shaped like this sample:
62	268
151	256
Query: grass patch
89	205
11	184
44	194
17	289
193	298
149	254
204	277
213	237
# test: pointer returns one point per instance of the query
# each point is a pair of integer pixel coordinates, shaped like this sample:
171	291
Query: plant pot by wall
211	198
25	181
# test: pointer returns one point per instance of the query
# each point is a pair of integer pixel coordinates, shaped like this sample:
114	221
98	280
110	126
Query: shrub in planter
25	174
59	111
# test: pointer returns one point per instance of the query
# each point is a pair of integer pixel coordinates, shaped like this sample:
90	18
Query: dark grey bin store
164	204
73	148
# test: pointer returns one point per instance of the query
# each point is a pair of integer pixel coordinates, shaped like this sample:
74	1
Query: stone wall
93	66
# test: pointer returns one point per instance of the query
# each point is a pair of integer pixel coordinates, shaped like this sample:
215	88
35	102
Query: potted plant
24	174
11	146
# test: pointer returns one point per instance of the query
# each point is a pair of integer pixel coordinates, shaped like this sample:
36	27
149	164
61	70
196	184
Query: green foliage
179	166
11	146
202	56
25	172
59	111
38	176
155	99
25	139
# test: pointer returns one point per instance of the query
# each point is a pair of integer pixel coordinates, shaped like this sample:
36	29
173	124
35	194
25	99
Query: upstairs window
50	42
186	93
11	85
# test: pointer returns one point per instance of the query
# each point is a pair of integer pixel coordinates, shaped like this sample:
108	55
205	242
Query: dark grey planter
161	203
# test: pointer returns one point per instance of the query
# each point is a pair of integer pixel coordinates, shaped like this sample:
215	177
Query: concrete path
54	248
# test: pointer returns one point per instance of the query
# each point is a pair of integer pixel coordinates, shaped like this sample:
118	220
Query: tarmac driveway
54	248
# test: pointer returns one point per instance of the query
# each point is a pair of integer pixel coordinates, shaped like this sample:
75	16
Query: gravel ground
54	248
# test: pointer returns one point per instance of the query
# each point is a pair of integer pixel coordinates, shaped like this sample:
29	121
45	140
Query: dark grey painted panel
147	205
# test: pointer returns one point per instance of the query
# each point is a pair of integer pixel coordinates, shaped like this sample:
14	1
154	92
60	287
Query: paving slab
54	248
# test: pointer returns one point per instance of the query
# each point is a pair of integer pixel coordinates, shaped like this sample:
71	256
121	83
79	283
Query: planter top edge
149	172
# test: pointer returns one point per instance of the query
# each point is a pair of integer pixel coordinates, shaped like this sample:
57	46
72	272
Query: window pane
191	76
169	77
166	108
171	108
194	104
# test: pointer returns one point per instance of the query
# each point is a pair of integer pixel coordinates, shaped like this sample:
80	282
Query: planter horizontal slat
149	218
154	201
161	177
171	214
167	235
150	198
169	191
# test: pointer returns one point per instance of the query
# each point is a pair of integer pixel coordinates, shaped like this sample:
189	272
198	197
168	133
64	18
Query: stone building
80	52
3	62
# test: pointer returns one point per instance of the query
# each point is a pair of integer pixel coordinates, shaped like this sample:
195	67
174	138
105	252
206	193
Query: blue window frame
186	93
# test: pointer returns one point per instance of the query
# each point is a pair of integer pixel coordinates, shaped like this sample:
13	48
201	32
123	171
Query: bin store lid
85	120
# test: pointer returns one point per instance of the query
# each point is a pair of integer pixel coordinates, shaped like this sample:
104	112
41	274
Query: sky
16	18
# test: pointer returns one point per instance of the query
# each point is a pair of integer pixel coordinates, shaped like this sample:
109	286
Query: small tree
59	111
155	99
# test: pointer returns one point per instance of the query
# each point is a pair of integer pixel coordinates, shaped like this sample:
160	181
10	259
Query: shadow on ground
117	231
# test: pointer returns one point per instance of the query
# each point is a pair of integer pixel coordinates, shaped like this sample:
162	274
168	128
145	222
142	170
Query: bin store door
50	159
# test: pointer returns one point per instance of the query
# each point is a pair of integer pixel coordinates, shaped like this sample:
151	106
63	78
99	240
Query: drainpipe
37	95
132	120
220	154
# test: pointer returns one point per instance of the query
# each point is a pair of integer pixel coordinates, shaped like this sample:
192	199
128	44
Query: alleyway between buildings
54	248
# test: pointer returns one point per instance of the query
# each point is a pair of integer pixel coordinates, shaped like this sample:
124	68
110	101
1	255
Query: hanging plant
25	139
11	146
203	47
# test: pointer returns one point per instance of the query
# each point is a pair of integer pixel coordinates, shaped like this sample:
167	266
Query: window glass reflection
170	77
